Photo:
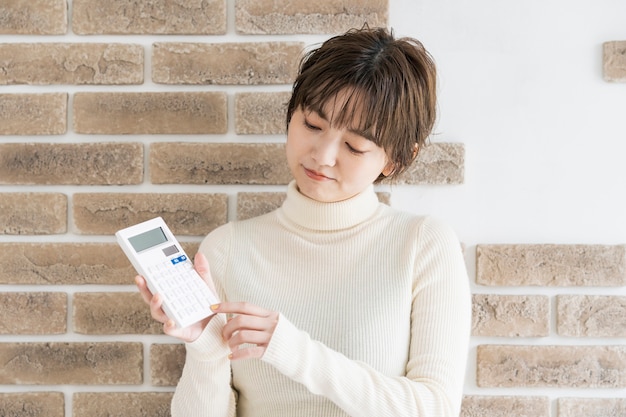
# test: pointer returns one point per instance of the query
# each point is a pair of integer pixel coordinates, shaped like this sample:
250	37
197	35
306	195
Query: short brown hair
391	81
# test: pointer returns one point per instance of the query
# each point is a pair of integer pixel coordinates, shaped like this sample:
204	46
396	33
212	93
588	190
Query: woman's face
328	163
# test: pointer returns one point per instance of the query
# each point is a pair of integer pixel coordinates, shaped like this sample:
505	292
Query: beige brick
113	313
71	63
33	114
68	263
166	364
109	404
551	265
33	17
510	315
71	363
551	366
437	163
261	113
165	17
64	264
33	213
219	163
241	63
185	213
304	16
71	163
591	316
32	404
33	313
614	61
592	407
150	113
255	204
505	406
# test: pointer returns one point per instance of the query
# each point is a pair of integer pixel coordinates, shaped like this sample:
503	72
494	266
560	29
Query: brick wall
114	112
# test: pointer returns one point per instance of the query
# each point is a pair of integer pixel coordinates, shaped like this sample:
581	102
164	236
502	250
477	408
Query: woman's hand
248	324
189	333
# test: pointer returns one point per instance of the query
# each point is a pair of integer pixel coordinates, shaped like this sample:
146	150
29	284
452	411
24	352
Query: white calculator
158	257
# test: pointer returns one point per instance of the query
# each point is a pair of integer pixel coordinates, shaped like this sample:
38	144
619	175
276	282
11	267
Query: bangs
356	108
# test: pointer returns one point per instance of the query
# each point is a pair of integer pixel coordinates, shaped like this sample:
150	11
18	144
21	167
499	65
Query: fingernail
170	323
215	307
230	356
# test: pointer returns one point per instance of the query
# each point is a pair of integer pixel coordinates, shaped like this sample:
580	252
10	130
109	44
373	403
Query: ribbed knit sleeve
205	387
440	326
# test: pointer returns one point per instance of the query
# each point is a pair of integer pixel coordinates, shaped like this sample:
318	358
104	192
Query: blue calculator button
178	260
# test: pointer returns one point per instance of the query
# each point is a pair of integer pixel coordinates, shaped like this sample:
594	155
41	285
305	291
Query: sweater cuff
210	345
280	351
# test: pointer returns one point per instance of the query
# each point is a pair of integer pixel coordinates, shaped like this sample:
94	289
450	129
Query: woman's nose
325	150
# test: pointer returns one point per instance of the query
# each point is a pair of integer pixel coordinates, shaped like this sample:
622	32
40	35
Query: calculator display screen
147	239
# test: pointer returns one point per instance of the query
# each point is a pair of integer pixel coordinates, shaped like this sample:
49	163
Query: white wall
521	85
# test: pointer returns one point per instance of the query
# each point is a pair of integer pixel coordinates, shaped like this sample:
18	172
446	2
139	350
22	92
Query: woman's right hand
189	333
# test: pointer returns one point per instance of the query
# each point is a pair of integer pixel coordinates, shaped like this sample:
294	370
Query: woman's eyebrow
363	133
367	134
319	112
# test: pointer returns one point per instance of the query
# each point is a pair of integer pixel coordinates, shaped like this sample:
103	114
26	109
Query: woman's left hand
249	324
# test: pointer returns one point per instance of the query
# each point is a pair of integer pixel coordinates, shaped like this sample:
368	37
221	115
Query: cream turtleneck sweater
374	315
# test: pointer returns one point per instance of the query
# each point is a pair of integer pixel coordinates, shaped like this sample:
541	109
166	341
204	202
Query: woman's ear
388	169
416	148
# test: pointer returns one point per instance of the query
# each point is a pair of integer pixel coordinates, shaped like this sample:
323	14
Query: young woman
335	304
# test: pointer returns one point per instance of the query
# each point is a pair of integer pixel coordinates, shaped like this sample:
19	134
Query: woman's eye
310	126
354	150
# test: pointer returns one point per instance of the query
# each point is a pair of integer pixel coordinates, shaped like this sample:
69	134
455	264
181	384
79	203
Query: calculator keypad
186	297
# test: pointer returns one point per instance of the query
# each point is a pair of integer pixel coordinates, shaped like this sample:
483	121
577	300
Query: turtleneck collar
312	214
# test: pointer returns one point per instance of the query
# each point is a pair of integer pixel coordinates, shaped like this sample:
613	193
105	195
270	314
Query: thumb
201	265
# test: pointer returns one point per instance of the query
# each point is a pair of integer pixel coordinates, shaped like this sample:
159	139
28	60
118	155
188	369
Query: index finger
201	265
240	307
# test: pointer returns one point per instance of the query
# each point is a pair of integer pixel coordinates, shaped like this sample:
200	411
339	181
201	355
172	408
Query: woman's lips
318	176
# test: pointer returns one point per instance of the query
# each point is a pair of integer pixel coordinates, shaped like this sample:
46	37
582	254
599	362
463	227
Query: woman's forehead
345	109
